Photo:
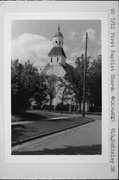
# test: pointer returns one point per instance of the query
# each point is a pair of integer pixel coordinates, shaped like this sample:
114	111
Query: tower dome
57	54
58	38
58	33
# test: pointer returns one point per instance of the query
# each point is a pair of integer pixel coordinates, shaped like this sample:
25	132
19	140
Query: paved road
85	139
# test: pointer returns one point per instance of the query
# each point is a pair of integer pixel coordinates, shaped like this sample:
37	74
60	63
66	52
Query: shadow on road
70	150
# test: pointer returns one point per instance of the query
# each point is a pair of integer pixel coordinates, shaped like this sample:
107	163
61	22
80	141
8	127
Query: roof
49	69
58	34
46	68
57	51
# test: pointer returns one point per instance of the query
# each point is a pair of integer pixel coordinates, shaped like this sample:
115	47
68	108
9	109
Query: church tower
57	54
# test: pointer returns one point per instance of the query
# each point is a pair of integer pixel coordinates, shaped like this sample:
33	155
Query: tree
74	77
65	89
40	96
26	83
16	86
74	81
51	82
94	82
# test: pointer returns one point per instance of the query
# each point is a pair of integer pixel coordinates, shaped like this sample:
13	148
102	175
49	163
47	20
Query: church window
57	59
51	59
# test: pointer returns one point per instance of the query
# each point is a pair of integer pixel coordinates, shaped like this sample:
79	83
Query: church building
57	58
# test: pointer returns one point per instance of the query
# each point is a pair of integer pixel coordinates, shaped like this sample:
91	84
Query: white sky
32	39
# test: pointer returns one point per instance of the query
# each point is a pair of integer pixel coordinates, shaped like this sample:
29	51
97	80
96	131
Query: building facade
57	58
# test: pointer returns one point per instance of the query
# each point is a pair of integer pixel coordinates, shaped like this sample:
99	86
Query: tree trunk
69	107
50	104
74	109
80	107
63	97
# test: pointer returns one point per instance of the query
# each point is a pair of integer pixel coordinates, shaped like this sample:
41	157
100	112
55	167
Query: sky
32	39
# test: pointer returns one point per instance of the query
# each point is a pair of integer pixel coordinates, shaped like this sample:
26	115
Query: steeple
58	38
58	27
58	33
57	54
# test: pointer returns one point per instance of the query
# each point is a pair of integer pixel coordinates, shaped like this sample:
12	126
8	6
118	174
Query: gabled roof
57	51
56	70
46	68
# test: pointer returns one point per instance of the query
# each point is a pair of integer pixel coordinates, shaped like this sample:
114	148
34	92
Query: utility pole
84	76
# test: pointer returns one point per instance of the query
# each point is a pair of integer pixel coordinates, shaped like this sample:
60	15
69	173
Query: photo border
10	17
39	170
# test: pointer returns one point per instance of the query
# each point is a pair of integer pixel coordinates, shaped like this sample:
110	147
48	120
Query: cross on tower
59	27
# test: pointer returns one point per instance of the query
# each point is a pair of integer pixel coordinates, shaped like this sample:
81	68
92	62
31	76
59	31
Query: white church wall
55	60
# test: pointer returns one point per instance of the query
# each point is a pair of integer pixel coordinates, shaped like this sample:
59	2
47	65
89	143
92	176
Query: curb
50	133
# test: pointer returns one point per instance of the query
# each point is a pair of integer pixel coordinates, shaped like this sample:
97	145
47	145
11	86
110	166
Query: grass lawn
35	115
40	125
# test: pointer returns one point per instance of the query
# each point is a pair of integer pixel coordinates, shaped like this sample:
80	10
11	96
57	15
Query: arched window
57	59
56	42
51	60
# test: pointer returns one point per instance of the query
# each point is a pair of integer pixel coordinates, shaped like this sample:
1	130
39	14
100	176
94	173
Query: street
35	123
84	139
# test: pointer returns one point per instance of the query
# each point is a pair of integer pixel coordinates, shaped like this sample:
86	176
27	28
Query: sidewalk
85	140
35	124
29	131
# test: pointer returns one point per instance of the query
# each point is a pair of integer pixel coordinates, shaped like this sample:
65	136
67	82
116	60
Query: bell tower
58	38
57	54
